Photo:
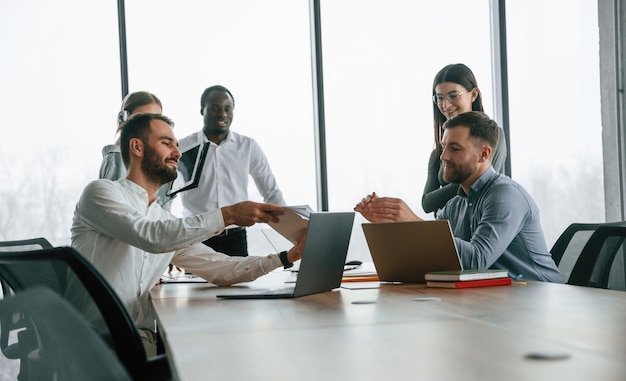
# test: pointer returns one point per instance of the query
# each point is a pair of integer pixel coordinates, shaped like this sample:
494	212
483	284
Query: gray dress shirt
497	226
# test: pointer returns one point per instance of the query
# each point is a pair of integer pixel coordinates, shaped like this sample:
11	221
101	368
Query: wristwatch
283	259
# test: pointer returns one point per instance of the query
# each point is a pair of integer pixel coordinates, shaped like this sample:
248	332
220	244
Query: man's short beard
156	171
459	175
457	178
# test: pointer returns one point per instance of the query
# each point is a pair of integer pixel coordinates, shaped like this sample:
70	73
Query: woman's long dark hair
461	75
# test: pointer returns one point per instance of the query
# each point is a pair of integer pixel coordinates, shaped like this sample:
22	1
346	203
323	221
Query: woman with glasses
455	91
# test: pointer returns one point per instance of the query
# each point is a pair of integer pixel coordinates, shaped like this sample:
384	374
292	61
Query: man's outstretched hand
248	213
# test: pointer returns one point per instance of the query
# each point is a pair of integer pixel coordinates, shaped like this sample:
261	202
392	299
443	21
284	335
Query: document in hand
461	275
291	224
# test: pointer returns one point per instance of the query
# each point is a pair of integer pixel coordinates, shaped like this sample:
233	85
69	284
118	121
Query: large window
58	99
380	59
259	50
554	89
60	95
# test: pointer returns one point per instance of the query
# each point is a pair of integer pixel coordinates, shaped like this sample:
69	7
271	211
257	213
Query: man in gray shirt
495	222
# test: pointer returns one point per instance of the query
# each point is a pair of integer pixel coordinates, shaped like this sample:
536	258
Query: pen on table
517	278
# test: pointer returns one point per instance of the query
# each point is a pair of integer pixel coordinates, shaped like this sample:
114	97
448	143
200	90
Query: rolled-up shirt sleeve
221	269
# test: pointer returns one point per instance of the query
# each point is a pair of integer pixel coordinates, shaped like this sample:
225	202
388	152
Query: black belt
230	231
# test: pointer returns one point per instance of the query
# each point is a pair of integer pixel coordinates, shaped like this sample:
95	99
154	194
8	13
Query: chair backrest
595	265
57	343
570	244
8	349
25	244
23	270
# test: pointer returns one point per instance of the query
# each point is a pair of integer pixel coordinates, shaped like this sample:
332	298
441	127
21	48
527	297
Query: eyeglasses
451	97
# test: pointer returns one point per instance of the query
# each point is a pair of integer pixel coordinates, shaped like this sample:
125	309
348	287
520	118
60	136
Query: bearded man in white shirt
231	159
130	239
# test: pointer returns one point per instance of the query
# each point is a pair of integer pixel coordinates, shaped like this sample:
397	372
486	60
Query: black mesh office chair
22	245
595	263
25	244
585	257
25	270
10	350
570	244
57	343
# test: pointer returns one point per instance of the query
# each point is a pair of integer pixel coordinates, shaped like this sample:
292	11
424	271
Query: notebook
323	259
189	168
406	251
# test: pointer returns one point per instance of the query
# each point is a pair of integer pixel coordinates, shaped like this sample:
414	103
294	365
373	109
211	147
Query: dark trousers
233	242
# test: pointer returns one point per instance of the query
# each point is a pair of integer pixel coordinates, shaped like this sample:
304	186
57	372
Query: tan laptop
405	251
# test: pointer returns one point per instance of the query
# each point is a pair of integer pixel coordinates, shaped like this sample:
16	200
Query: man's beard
459	174
156	171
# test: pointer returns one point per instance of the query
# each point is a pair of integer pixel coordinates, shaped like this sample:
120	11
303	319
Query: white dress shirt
224	179
131	243
113	168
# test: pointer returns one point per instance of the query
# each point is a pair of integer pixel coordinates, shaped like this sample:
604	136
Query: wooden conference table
489	333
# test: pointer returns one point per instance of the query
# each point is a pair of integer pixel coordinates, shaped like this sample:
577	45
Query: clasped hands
385	209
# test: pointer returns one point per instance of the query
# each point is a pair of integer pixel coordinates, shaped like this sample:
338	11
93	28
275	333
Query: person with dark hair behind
495	222
231	159
112	167
455	91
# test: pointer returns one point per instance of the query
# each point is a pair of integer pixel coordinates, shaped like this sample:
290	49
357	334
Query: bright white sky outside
60	92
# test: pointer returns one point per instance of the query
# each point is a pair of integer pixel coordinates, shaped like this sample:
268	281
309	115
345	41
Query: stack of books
467	278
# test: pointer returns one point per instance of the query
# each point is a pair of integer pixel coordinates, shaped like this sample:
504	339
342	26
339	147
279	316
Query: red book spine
471	283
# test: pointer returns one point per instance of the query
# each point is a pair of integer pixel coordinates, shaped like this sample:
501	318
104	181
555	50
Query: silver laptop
323	259
406	251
